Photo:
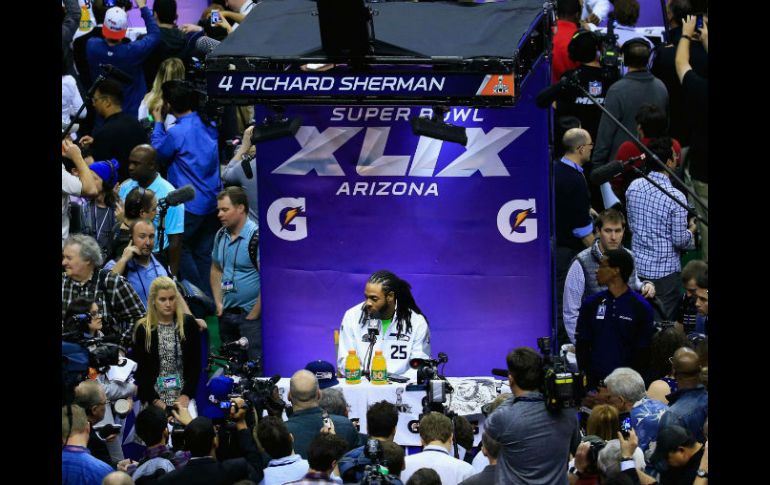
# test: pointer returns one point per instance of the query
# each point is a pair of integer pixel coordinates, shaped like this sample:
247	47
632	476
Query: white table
470	393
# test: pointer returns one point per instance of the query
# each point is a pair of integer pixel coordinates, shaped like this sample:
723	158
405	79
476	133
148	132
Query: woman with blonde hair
603	422
166	348
169	70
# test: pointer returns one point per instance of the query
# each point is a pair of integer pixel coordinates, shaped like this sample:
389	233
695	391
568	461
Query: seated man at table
306	421
401	328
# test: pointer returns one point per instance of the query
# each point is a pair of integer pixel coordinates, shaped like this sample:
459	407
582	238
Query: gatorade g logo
287	219
515	220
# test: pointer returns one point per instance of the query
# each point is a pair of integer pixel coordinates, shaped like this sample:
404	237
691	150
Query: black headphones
572	46
635	41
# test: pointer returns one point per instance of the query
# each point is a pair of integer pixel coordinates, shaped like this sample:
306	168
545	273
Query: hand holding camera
628	445
181	414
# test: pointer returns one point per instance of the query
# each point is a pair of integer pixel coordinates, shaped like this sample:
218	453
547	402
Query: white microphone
242	343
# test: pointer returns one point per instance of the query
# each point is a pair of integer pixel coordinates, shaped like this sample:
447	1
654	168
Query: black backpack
253	245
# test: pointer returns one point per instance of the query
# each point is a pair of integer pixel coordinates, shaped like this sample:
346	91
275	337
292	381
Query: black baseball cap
669	439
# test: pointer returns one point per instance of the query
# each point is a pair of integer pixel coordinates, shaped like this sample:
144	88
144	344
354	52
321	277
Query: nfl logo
595	88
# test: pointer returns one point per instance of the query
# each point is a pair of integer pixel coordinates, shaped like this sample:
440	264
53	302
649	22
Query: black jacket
208	471
486	476
148	364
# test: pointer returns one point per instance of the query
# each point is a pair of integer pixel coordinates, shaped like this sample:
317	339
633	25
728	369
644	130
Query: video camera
609	45
377	472
258	393
196	77
436	386
562	388
102	351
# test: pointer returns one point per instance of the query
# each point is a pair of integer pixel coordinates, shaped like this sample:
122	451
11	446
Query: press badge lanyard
154	268
99	230
235	256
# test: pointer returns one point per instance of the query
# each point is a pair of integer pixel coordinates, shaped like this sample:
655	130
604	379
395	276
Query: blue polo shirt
612	331
174	223
141	277
233	258
190	149
78	467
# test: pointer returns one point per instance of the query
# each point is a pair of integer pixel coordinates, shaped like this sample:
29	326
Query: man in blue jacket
189	150
129	58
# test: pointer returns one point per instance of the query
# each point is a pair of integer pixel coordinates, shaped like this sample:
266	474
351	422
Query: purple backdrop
482	293
189	11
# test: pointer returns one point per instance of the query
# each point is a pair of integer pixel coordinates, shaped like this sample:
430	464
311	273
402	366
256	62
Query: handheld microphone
114	72
242	343
178	196
609	170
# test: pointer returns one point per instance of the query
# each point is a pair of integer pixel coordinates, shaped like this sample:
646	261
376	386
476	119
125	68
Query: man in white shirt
436	437
240	8
82	185
402	329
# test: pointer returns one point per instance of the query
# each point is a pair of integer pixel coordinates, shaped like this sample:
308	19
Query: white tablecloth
470	393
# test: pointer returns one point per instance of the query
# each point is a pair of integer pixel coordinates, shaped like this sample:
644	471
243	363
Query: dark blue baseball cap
324	372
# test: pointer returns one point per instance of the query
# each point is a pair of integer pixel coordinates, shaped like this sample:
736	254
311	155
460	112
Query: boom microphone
609	170
114	72
178	196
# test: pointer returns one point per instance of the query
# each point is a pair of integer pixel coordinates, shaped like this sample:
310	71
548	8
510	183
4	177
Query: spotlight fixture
435	127
275	125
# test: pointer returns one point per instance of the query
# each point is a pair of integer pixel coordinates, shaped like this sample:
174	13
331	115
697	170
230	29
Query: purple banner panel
355	191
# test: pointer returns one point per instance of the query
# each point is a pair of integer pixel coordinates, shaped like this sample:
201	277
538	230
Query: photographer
167	348
307	420
381	422
243	174
201	439
535	443
152	427
127	57
120	304
190	151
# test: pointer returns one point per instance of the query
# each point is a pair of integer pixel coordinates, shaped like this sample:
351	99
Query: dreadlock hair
404	299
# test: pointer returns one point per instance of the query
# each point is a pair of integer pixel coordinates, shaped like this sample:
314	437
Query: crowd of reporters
132	135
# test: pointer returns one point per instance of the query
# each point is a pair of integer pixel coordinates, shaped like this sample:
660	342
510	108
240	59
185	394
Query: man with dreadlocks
403	332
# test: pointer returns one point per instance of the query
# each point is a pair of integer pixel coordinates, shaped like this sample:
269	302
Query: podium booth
347	187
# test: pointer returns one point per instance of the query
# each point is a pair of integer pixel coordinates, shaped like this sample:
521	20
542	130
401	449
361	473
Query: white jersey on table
398	351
